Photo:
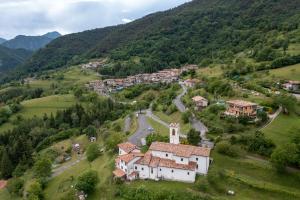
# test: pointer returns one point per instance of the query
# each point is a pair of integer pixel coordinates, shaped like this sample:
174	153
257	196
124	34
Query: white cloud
126	20
32	17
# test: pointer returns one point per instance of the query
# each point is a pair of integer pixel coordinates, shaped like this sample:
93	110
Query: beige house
241	108
191	82
200	102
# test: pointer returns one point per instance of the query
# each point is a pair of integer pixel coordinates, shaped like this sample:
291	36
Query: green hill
2	40
202	31
10	58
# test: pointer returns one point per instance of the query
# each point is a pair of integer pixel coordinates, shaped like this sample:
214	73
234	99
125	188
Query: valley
219	77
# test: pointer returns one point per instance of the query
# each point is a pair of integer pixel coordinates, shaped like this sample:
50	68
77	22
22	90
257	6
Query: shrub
226	148
92	152
16	186
87	181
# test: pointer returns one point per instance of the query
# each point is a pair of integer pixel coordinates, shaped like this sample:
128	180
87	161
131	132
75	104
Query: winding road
196	124
143	131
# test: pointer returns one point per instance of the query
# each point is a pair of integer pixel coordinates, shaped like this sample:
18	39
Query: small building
200	102
93	139
241	108
292	85
191	82
127	147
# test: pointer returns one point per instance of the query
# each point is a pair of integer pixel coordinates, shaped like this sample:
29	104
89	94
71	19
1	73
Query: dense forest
201	32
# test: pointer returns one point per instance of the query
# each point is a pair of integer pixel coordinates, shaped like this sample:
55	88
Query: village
112	85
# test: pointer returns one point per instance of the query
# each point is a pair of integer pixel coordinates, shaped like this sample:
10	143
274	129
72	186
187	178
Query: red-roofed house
200	102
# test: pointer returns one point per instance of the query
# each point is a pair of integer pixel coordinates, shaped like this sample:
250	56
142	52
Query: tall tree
6	166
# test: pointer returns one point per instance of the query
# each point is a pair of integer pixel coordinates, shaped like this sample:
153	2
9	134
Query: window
151	170
173	132
197	159
181	159
188	173
160	169
167	155
197	166
135	167
142	168
172	170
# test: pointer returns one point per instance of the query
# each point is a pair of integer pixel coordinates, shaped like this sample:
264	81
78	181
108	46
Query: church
163	161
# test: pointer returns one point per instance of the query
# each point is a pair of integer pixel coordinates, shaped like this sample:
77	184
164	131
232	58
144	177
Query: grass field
215	71
158	128
38	107
289	73
71	76
174	118
281	130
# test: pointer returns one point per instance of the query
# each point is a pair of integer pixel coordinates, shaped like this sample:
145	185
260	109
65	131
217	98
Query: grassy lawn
281	129
158	128
290	72
60	184
38	107
174	118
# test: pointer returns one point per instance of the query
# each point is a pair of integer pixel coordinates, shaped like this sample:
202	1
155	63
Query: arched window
173	132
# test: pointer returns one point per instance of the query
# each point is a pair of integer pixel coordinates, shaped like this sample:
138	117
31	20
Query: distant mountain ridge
31	43
2	40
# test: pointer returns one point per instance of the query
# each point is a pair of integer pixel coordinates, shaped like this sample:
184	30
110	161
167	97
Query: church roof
129	157
154	162
127	147
180	149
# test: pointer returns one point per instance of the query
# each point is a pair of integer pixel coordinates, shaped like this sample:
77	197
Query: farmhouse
200	102
163	161
241	108
292	85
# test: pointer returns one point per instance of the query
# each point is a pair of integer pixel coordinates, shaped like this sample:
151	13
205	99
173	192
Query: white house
164	161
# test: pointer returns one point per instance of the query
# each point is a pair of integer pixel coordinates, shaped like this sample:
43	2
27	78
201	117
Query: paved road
181	107
142	131
196	124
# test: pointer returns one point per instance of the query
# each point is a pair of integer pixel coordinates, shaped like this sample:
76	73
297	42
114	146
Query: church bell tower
174	133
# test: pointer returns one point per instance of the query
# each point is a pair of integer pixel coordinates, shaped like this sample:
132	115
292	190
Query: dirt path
58	171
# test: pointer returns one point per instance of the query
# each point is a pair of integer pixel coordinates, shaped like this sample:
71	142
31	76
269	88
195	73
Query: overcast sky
36	17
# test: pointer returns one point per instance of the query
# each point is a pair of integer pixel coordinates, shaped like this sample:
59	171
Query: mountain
31	43
52	35
2	40
201	31
10	58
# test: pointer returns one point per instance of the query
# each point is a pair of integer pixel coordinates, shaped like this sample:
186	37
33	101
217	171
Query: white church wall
176	174
202	162
162	154
143	171
181	160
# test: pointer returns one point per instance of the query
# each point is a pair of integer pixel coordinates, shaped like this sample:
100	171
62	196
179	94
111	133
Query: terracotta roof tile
241	103
180	149
199	98
119	173
172	164
127	147
129	157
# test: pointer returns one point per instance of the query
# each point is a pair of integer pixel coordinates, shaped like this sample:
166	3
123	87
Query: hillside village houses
239	108
164	76
200	102
163	161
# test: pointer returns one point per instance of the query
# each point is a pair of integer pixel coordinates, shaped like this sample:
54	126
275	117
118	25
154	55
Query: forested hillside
201	32
10	58
2	40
